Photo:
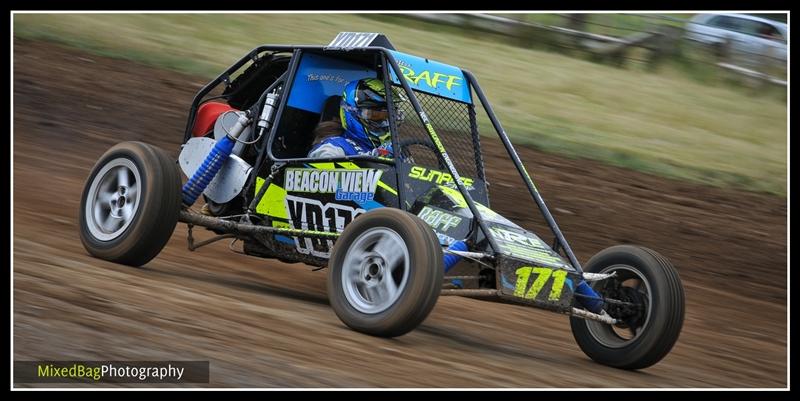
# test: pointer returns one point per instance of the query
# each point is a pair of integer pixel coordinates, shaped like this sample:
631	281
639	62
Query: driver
364	124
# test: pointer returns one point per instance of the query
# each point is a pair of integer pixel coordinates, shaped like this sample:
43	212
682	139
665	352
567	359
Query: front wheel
385	273
130	204
650	317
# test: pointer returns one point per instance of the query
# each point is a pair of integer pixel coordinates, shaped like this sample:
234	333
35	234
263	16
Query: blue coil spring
207	171
591	300
450	259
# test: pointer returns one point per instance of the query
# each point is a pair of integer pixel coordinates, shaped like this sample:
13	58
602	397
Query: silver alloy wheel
375	270
618	336
113	199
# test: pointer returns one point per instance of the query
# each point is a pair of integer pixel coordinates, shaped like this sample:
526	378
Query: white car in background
746	35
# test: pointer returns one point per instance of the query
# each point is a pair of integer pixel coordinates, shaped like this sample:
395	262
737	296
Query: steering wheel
406	154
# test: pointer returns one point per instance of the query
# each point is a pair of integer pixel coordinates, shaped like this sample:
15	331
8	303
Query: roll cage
263	60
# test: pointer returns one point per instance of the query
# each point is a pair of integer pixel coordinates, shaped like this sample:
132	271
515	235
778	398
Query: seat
297	131
330	110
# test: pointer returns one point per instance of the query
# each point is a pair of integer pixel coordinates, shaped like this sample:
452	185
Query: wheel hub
632	312
117	202
113	199
632	315
372	269
375	270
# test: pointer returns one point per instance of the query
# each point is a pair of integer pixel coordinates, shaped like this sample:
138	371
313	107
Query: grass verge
653	122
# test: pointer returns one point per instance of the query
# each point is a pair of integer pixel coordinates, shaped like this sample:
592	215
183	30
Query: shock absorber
590	300
222	149
450	259
212	163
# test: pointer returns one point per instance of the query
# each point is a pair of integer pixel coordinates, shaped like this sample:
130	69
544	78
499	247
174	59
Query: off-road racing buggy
387	228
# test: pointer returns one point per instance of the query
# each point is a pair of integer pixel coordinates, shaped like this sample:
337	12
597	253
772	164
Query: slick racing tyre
651	318
130	204
385	273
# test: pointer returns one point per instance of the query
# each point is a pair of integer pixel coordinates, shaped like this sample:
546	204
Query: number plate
543	286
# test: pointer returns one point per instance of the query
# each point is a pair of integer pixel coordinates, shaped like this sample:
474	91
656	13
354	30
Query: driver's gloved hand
385	150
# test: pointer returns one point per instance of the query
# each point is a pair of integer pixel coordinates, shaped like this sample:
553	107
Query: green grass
661	123
611	24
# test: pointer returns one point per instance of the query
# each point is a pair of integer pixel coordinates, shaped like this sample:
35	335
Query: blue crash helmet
364	112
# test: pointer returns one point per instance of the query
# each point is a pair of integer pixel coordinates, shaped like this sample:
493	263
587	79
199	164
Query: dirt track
268	324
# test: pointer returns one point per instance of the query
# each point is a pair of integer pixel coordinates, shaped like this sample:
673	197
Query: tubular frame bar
443	156
551	222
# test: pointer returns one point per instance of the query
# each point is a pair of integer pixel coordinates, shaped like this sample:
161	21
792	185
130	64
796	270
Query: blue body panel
432	77
319	77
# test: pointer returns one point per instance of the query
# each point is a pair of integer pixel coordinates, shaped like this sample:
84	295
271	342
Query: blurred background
681	95
665	130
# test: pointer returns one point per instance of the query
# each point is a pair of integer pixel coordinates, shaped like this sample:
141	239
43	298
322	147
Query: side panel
512	240
432	77
420	180
546	287
525	245
324	196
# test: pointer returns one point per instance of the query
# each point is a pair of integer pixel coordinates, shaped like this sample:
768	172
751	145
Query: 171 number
542	275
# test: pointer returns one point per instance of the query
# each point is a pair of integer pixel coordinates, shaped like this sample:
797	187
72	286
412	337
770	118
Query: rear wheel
130	204
385	273
651	317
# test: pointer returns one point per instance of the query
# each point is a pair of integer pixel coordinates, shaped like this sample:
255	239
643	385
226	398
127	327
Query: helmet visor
369	98
378	114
